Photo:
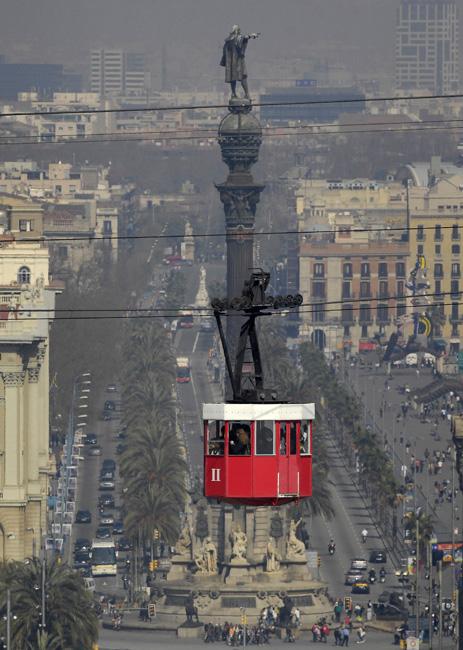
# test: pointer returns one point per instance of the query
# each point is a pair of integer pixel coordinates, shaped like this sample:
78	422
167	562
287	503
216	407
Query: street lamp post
8	619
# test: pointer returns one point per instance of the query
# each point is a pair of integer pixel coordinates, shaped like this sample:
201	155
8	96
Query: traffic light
153	565
319	561
151	609
156	534
348	603
244	619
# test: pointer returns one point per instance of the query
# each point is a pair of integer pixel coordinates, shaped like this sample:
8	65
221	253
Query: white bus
104	561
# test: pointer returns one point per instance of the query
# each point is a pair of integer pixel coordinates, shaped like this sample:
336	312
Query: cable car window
282	438
239	435
292	438
305	439
215	437
265	438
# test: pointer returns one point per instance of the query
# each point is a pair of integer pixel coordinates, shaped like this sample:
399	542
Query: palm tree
421	524
71	621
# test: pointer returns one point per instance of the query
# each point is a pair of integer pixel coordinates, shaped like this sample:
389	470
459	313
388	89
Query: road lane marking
196	342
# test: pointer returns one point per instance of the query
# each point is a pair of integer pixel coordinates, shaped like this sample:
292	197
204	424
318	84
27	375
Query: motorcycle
117	622
372	577
331	549
364	538
382	576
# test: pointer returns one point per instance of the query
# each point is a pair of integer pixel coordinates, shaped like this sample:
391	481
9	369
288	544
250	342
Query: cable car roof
240	412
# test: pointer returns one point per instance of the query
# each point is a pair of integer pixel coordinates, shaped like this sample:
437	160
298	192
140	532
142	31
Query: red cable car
257	450
258	454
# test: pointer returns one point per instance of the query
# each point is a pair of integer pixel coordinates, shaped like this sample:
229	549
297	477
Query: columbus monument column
240	137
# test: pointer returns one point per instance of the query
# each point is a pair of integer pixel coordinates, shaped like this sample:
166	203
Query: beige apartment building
25	461
436	220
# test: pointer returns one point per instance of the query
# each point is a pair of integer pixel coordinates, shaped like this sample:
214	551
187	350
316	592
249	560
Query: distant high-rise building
115	72
427	46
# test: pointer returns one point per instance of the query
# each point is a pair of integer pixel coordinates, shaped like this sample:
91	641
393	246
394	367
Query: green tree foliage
176	290
152	466
71	622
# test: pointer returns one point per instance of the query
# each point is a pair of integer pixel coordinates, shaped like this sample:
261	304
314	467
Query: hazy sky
193	30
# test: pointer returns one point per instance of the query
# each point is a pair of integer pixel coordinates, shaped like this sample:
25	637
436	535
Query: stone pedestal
236	573
180	568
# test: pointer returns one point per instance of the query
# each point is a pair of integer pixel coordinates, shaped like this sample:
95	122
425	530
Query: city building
25	461
436	221
118	73
427	46
42	78
353	283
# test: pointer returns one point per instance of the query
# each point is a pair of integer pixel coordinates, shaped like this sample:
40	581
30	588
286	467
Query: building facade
118	73
25	461
427	46
436	220
353	288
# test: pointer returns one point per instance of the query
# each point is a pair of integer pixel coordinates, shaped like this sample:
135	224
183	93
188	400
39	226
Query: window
400	269
239	438
364	334
455	232
319	270
318	289
383	289
454	288
365	313
382	313
305	442
24	275
438	233
400	288
420	249
265	438
347	314
438	270
107	228
454	312
25	225
382	270
401	310
346	289
215	432
365	270
437	249
455	249
318	313
284	427
438	287
63	252
347	270
420	233
455	270
365	291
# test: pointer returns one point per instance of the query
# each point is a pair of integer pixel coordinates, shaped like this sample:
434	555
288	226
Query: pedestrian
369	610
361	634
338	611
345	636
337	636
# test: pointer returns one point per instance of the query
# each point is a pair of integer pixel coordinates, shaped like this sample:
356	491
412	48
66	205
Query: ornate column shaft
14	444
240	137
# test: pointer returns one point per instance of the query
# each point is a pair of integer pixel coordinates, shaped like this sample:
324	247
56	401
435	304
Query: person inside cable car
216	443
240	440
283	438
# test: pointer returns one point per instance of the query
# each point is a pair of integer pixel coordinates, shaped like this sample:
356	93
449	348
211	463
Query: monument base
236	573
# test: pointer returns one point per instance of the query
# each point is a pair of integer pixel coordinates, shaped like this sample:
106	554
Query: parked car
81	557
123	544
378	557
106	485
91	439
118	528
361	587
94	451
106	501
352	576
109	405
82	544
358	563
106	519
103	532
106	475
83	517
111	388
109	463
120	448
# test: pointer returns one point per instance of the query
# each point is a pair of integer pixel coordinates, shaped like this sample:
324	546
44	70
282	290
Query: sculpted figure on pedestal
239	544
206	558
295	549
272	559
183	545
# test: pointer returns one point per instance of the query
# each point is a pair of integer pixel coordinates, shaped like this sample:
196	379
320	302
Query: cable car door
288	460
